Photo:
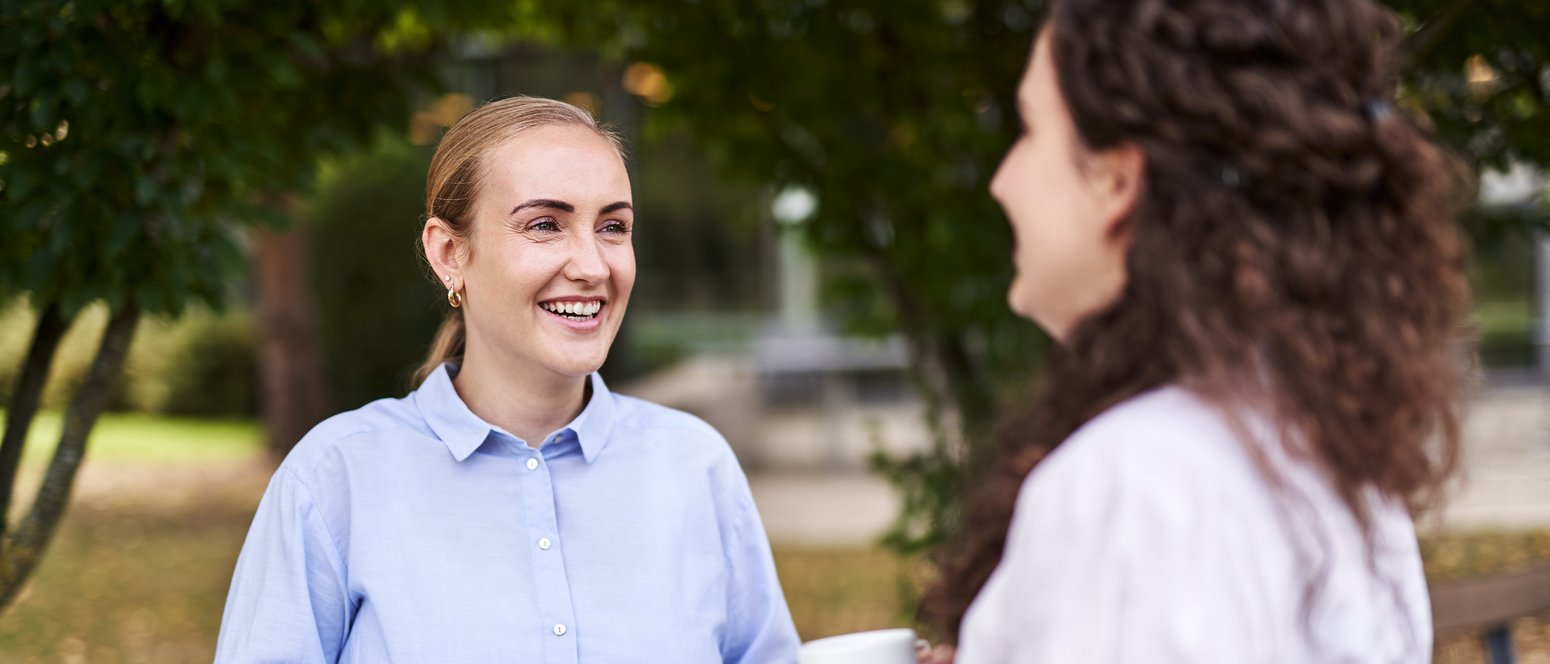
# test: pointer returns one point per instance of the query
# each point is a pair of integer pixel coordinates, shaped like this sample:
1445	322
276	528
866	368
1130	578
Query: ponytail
447	347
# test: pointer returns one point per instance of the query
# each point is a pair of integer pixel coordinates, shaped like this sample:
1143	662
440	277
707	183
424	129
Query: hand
925	654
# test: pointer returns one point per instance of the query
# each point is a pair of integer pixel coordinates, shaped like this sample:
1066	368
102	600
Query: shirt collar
463	432
596	421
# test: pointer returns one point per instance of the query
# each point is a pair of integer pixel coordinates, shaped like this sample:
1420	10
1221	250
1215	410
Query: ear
1116	177
445	252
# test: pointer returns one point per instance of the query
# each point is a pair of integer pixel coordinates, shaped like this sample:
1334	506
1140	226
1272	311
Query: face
1065	205
548	267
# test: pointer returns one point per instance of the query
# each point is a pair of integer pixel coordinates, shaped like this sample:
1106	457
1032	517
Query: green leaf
23	77
76	90
19	185
84	171
215	71
43	109
145	189
124	228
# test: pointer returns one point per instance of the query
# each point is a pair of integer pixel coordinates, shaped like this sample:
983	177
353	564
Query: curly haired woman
1249	260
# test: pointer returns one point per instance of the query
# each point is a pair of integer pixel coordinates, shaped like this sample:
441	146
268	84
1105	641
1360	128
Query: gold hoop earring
454	298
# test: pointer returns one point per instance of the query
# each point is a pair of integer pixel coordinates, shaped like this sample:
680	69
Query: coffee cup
882	646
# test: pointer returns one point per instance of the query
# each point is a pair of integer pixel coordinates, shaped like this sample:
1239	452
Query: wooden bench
1487	606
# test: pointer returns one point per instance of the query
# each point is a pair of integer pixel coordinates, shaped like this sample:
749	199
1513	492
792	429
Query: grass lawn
140	568
140	438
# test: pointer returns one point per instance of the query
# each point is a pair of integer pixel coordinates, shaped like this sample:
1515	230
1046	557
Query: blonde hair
452	185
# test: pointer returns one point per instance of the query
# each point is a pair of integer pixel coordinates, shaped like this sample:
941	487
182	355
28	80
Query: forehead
557	162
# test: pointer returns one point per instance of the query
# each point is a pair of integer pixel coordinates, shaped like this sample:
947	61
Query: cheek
621	265
527	272
1031	191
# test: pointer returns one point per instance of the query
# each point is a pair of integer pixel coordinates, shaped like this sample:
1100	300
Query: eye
616	228
543	224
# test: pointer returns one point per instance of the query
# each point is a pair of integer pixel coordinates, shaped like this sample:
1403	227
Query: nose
587	263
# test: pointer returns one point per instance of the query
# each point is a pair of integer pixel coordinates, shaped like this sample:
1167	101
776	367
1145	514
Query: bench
1487	606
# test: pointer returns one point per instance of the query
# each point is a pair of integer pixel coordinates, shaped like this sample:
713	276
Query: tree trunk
290	366
24	402
23	548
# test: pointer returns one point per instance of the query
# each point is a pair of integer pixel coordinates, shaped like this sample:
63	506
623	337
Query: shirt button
543	543
532	464
559	630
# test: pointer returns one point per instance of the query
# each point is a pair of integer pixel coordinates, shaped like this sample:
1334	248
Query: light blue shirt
410	530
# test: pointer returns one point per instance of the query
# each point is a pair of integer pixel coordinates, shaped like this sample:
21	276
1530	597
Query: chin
577	367
1018	306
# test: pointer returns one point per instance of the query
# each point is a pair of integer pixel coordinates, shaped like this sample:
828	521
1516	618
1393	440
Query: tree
1480	70
137	137
895	113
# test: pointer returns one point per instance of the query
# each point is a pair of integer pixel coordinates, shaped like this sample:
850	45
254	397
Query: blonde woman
513	509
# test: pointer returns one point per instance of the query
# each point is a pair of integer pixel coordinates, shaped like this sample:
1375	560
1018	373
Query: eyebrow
547	203
551	204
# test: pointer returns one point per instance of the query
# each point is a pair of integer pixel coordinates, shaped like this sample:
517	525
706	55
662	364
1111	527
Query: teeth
583	309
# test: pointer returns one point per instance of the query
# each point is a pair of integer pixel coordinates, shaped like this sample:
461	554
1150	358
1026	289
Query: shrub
206	365
376	309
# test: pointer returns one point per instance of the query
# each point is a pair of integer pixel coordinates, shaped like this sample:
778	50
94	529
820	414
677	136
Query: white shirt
1150	535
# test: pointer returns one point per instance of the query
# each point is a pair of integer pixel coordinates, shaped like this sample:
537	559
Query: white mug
882	646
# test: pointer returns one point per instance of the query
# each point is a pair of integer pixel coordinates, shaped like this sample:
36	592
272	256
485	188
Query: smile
573	310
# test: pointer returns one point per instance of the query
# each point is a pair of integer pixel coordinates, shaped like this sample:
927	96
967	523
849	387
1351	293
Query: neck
528	403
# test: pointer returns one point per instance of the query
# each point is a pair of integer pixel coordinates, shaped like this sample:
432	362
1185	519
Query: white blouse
1151	535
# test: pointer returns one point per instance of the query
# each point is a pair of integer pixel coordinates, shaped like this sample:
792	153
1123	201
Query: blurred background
208	216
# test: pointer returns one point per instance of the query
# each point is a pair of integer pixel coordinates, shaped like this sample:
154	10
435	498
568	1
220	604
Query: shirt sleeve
288	599
1124	558
759	627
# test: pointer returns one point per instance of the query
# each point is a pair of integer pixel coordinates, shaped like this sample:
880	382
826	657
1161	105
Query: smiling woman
558	197
1248	255
512	508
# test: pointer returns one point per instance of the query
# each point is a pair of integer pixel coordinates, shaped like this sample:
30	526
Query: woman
1248	258
512	509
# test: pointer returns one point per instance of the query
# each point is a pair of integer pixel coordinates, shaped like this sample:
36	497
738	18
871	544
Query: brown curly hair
1294	250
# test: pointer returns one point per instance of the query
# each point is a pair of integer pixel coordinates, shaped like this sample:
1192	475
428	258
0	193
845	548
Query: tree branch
1432	32
50	329
23	548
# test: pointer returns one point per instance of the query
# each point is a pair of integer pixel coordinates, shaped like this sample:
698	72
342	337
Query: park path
1505	484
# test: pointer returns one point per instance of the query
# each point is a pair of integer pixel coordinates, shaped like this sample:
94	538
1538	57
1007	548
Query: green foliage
210	369
377	308
687	233
1501	115
136	134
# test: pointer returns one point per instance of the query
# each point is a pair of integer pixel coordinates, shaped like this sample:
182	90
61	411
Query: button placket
552	589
